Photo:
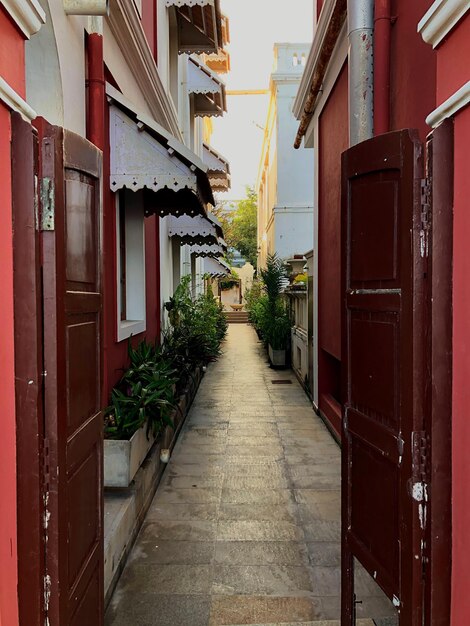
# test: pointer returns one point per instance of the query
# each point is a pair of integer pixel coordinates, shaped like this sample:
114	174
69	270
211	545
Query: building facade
104	147
284	189
374	69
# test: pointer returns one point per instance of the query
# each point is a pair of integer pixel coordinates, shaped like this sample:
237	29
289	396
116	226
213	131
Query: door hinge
426	191
420	456
47	204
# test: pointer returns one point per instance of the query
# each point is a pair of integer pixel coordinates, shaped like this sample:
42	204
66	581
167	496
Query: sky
255	25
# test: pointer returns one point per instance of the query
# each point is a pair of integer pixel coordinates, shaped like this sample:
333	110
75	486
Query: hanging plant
228	283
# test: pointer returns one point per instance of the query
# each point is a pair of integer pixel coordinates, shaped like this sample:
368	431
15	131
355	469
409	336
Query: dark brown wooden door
70	223
28	372
385	251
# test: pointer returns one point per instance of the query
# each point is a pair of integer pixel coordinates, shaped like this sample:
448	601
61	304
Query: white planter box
277	357
122	458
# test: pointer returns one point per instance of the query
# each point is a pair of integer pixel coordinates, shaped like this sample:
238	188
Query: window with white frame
130	264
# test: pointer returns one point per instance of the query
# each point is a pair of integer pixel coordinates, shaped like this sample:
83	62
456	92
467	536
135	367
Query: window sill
127	328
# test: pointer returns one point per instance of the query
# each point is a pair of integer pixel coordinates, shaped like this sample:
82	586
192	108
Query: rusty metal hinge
420	456
426	190
47	193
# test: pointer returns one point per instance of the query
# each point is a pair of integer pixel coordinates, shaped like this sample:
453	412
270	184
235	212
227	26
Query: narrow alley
245	525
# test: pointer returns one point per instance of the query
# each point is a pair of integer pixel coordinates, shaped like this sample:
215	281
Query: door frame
440	163
28	372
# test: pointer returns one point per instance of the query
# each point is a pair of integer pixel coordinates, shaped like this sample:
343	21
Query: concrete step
236	317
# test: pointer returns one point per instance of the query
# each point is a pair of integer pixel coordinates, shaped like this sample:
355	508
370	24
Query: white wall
121	72
293	231
57	53
295	167
166	268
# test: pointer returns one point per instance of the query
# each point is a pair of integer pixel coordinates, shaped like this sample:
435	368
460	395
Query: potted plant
276	323
141	406
278	331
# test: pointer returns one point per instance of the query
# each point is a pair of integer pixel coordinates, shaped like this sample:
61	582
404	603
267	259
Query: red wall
453	61
11	54
413	69
333	140
8	550
12	70
452	73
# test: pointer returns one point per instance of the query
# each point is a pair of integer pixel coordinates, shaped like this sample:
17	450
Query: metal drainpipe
96	83
361	75
382	37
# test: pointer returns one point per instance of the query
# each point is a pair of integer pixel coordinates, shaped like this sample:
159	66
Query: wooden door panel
384	269
374	231
81	229
83	397
73	419
28	372
370	366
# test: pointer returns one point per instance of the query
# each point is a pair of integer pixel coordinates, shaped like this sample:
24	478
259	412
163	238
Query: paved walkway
245	526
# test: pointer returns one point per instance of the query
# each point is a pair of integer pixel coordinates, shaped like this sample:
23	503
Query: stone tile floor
245	525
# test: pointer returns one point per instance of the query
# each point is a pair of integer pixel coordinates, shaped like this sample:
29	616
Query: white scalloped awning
199	25
207	89
218	168
215	267
211	250
193	230
144	156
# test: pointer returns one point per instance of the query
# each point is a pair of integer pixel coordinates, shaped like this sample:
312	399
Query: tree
241	225
245	226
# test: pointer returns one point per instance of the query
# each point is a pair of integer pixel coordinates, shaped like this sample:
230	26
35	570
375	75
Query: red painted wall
452	72
333	140
11	54
453	61
8	535
461	377
413	69
12	70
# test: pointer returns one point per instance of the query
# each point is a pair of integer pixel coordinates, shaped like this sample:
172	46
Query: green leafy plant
266	307
144	395
197	329
229	282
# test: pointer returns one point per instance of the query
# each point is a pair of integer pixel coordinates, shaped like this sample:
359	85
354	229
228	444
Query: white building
284	186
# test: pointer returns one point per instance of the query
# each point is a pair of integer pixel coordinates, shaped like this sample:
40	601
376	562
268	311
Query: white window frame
135	267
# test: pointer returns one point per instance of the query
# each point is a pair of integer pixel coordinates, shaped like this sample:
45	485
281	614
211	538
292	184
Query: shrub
145	394
156	375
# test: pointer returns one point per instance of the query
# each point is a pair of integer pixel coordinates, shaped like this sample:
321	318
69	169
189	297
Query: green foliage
273	276
197	329
245	226
266	306
229	282
157	375
145	394
241	225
